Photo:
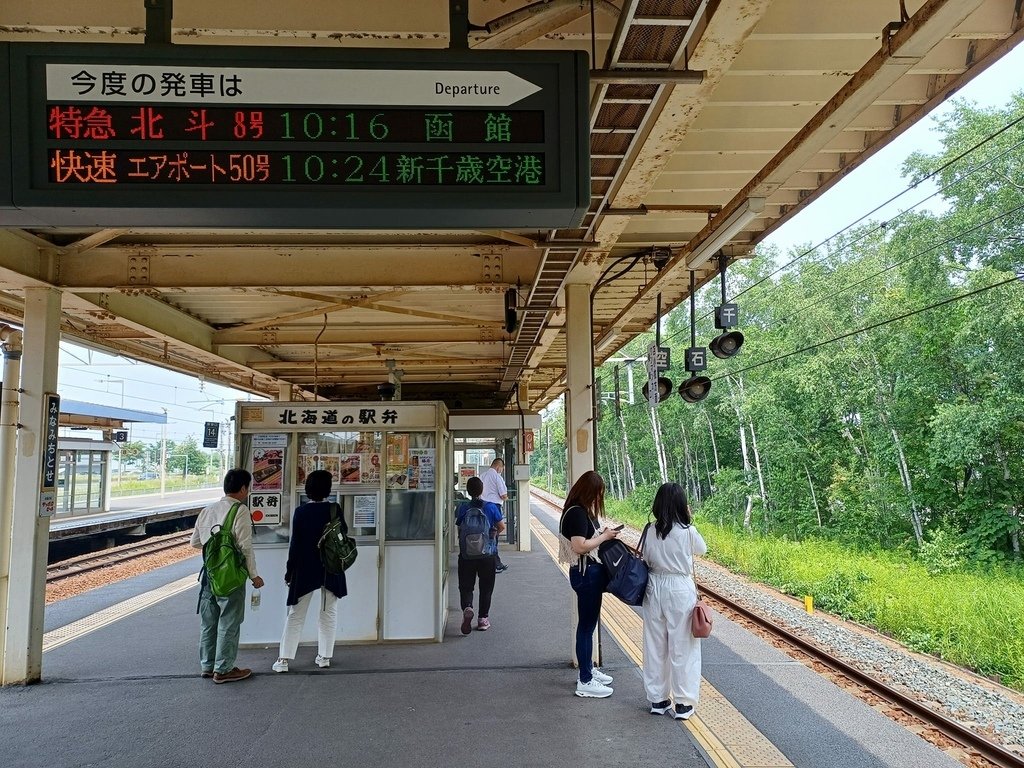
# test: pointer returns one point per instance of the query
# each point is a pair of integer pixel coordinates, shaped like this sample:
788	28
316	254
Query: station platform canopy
707	126
74	413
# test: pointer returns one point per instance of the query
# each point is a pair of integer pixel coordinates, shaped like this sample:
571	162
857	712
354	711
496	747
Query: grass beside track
973	618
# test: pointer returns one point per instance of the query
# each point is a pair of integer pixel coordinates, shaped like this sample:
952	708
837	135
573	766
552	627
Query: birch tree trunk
760	473
743	450
659	447
915	515
1013	511
688	466
814	497
627	469
714	445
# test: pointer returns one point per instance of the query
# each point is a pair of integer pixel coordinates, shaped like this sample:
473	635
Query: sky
109	380
93	377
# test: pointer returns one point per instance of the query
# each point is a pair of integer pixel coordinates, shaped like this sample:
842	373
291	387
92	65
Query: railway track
91	562
970	740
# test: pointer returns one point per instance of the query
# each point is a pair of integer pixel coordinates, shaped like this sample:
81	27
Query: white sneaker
281	665
601	677
323	661
592	690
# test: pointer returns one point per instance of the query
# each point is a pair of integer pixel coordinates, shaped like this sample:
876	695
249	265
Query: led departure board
116	135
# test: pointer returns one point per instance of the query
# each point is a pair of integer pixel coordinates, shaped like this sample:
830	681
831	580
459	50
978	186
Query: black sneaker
682	712
661	707
500	568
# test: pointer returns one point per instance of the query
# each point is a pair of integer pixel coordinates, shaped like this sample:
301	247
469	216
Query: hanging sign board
211	431
48	475
653	394
129	135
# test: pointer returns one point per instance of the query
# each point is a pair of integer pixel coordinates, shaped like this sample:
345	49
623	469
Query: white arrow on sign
275	85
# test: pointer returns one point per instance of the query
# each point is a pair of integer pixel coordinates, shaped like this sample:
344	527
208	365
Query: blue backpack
474	533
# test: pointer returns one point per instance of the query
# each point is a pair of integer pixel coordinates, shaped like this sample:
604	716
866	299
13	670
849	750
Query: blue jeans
589	588
221	625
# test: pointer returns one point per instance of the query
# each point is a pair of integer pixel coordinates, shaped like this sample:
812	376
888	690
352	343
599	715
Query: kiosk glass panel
410	481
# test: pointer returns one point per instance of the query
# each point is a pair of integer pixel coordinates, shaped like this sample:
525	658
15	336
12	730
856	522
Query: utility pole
548	427
163	455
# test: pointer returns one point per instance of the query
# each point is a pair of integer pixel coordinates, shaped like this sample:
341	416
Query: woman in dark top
305	574
582	534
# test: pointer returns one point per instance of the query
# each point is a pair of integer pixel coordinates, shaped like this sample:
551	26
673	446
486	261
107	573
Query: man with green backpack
224	532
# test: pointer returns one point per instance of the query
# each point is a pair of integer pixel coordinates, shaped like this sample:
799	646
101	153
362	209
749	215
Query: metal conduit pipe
10	405
541	7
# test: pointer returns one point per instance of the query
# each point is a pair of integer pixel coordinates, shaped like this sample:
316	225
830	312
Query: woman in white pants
306	574
671	652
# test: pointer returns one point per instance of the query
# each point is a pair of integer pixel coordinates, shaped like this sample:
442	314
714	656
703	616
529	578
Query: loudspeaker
511	316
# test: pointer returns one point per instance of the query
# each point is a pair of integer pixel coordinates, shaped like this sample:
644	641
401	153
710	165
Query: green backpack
337	548
223	561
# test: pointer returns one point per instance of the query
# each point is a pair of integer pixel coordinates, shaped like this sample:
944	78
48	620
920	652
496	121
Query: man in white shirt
222	616
495	491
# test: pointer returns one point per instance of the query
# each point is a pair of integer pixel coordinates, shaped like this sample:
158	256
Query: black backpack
337	549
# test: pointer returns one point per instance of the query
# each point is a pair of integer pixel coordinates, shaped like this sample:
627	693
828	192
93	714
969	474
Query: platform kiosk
388	460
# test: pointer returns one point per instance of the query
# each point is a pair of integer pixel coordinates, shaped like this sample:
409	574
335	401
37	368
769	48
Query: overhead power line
901	262
866	328
895	197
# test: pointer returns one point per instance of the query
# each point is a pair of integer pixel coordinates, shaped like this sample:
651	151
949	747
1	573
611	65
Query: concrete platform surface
129	695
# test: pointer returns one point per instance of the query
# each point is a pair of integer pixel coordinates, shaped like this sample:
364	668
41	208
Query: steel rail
961	734
97	560
967	738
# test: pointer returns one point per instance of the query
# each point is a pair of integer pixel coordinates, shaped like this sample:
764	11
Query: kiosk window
410	486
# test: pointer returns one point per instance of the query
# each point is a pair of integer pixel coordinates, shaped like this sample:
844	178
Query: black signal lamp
727	316
695	388
726	345
664	388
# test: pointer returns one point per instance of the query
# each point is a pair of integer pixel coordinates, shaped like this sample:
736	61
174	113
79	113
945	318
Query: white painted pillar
579	407
579	375
26	594
9	401
284	391
523	486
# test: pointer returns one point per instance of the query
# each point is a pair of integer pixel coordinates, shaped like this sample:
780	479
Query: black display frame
562	201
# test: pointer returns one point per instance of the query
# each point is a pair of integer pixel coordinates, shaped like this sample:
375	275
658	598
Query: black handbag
627	571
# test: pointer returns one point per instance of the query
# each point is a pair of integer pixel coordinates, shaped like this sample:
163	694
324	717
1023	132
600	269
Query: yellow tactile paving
729	739
77	629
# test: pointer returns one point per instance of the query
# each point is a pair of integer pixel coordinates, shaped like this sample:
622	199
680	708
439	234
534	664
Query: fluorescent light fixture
726	231
607	338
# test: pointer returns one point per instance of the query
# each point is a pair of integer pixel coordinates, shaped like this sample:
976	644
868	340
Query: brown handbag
700	620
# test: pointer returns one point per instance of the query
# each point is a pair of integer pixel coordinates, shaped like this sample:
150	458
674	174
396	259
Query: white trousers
671	652
327	625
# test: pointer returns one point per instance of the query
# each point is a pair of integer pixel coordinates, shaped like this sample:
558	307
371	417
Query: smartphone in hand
618	527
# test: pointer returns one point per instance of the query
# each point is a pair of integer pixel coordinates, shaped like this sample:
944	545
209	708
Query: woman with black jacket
305	573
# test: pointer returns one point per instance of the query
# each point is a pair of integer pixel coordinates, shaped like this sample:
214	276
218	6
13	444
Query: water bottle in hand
254	601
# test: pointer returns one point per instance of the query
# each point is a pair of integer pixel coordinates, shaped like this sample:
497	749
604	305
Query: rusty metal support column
158	21
458	25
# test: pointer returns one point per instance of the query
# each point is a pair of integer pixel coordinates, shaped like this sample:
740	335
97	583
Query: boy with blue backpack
478	551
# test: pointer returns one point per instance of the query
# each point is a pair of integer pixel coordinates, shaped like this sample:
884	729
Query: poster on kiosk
384	466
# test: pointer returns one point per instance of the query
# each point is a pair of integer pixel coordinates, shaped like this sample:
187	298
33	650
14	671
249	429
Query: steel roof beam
279	268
